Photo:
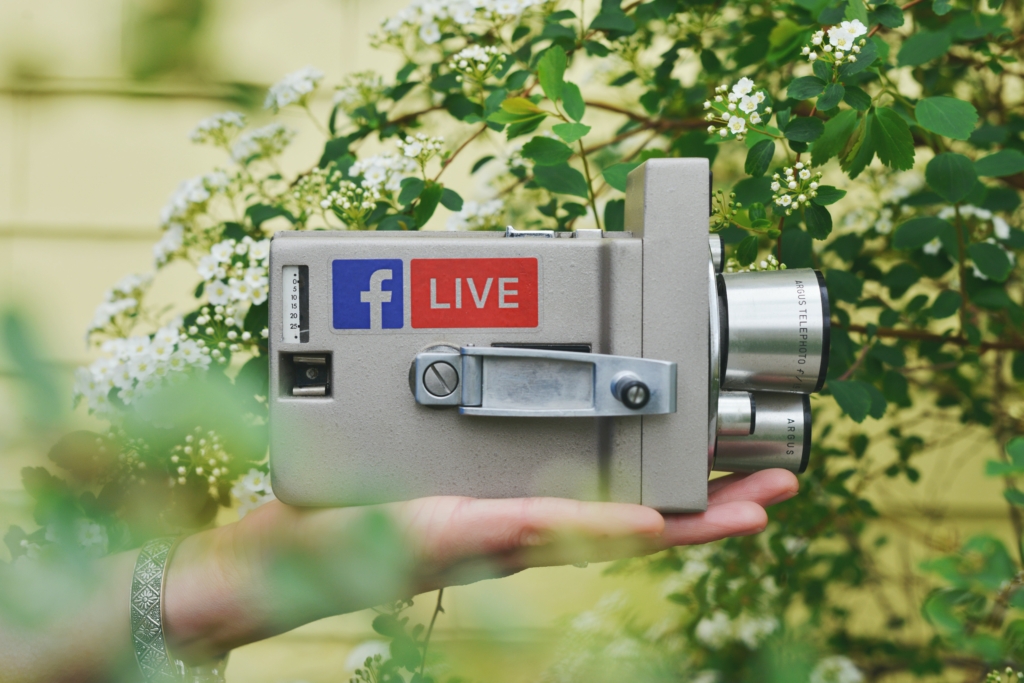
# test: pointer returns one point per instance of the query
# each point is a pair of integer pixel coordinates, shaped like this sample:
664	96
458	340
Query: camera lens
781	437
736	413
774	330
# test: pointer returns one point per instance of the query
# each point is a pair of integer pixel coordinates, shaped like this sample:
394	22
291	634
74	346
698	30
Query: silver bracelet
147	621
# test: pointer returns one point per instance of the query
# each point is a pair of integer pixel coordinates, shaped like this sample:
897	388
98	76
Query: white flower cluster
293	88
352	203
262	143
219	129
189	201
733	111
429	19
477	216
191	198
794	187
122	300
1000	228
236	272
383	172
135	366
421	147
362	89
718	629
769	262
1000	231
836	669
222	327
202	458
476	63
252	491
842	45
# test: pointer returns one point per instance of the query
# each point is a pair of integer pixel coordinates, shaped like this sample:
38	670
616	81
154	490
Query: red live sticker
474	292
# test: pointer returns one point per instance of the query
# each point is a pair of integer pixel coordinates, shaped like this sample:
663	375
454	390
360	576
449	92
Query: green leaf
951	175
918	232
746	250
551	72
572	100
451	200
615	215
570	132
481	162
868	55
805	129
860	150
1014	497
942	7
991	260
889	16
613	21
818	220
805	88
615	175
856	9
260	213
429	199
852	396
946	304
857	98
947	116
892	138
834	138
521	107
844	285
545	151
832	96
397	222
1015	449
922	47
759	157
411	188
901	278
562	179
1003	163
828	195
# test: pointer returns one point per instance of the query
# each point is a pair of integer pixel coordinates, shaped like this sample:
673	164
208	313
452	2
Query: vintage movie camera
618	366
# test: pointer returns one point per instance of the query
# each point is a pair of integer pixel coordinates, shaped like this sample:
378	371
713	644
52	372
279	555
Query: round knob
633	393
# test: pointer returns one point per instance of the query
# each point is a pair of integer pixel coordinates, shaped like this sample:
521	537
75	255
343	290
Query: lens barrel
781	436
774	330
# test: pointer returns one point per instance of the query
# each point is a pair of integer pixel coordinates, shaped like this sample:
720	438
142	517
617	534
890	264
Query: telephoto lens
774	330
781	436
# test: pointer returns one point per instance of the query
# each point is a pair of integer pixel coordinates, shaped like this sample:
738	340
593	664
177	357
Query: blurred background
97	98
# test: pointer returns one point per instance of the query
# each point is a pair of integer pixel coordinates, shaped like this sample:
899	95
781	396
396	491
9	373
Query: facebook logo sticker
368	294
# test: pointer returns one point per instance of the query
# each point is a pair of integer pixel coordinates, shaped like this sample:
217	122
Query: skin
281	567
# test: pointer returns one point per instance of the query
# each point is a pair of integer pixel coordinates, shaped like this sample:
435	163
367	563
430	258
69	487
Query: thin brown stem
430	630
857	363
590	185
920	335
461	147
961	244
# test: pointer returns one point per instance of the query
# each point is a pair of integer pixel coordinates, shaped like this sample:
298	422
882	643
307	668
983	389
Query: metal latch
520	382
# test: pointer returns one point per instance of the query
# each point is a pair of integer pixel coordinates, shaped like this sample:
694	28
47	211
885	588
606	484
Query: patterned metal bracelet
147	621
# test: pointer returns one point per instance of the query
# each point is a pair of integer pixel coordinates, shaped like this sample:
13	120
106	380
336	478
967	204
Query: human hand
281	566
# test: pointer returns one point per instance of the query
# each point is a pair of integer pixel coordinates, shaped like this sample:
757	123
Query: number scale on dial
292	318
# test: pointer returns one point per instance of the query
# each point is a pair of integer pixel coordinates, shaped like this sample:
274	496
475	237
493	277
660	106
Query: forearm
87	639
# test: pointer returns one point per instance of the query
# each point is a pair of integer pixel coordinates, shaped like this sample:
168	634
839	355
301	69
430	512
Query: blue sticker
368	294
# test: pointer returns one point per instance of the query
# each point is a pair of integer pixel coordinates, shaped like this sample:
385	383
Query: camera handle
519	382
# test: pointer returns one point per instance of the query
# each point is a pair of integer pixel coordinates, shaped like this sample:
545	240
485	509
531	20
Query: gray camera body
589	365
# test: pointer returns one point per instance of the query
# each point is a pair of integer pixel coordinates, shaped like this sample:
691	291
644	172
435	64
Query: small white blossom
293	88
836	669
